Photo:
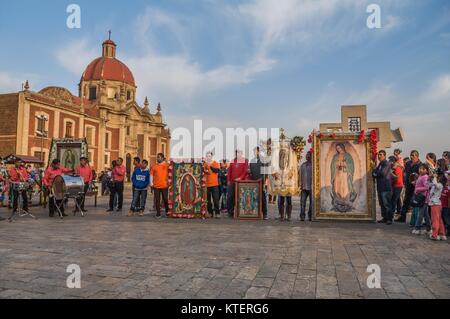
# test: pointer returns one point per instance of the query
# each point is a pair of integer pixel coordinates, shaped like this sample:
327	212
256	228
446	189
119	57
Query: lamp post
42	133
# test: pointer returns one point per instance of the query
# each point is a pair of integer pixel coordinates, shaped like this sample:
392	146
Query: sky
250	63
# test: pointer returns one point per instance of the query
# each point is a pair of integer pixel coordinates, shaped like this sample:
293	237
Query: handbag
418	200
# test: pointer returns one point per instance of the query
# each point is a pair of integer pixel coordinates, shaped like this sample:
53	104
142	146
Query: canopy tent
26	159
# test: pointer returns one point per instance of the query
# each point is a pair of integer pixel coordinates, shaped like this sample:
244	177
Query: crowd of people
425	189
402	185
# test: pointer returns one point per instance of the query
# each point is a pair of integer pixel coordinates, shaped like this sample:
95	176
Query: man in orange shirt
160	174
85	171
211	169
19	174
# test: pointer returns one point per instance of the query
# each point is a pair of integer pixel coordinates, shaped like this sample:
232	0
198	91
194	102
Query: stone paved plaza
143	257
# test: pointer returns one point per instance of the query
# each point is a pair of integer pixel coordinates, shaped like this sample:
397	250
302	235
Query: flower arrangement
298	145
374	144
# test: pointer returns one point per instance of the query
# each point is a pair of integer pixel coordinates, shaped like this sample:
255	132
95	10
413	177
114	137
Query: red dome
108	67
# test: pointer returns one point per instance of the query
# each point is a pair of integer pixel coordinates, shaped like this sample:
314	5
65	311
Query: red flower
333	135
312	150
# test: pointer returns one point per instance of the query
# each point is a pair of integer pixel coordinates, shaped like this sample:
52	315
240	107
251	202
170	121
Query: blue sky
250	63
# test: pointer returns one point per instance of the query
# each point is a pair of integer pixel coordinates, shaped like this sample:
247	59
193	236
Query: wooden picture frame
353	167
249	189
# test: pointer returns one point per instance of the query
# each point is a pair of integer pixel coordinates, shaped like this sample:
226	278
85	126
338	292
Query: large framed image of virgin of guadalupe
68	151
248	204
342	184
187	190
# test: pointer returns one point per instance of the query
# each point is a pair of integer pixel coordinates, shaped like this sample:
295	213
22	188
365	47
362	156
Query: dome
107	67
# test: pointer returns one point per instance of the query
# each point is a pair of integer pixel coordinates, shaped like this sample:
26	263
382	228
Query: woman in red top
397	183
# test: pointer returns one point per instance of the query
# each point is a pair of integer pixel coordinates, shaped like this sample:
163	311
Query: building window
41	124
90	135
128	131
107	140
128	95
90	157
39	155
92	93
106	159
163	148
354	124
69	130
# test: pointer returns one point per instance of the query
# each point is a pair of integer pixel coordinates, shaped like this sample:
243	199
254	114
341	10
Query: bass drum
67	186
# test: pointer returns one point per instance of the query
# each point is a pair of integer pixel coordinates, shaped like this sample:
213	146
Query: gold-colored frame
317	213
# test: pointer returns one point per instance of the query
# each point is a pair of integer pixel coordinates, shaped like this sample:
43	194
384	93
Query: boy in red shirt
397	183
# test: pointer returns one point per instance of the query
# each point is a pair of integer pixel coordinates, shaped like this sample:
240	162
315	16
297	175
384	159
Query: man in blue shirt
141	181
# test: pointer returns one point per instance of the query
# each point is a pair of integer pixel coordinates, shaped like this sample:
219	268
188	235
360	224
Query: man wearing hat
50	174
19	174
84	170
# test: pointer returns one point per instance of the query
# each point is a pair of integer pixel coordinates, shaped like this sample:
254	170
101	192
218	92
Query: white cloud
439	89
13	82
76	55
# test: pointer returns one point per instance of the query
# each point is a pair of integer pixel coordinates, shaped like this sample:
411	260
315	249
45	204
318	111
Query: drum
67	186
20	186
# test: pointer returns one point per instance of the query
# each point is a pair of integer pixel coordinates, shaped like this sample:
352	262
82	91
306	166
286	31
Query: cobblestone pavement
142	257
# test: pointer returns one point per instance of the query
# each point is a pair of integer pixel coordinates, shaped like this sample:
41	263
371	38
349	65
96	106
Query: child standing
421	187
141	181
436	208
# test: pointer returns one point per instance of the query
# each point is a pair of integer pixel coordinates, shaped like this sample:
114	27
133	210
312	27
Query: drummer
19	174
85	172
51	172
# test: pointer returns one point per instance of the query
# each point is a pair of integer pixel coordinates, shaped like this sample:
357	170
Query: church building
105	111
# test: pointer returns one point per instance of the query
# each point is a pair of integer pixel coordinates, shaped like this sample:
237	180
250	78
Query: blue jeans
446	217
397	191
385	200
304	197
423	213
139	200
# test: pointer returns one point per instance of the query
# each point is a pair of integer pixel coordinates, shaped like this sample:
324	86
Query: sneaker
110	210
444	238
218	216
382	221
130	213
158	216
141	213
434	238
415	232
266	218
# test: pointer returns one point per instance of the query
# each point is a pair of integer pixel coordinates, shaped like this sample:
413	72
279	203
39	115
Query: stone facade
354	119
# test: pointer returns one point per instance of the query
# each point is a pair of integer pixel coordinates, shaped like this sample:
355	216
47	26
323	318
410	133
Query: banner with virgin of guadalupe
342	183
187	190
283	170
